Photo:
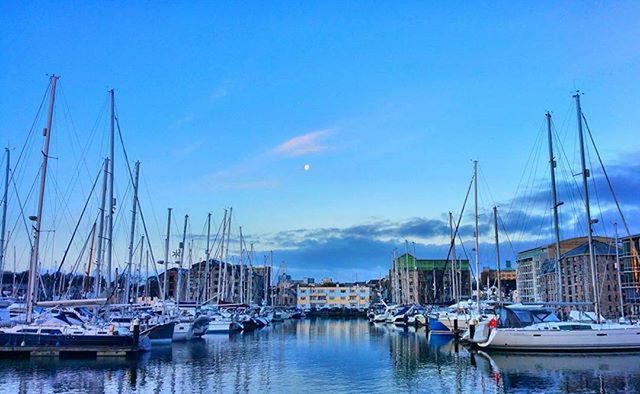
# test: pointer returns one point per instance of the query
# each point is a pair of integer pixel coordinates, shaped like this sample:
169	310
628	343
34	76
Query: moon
306	167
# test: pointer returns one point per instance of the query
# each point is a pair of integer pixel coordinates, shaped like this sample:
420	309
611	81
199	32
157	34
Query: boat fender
111	328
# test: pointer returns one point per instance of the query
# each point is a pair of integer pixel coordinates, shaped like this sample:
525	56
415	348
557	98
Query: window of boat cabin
28	330
50	331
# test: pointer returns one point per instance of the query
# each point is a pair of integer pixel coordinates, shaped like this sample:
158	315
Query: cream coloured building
334	295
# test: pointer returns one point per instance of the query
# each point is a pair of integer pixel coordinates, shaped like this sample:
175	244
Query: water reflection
325	356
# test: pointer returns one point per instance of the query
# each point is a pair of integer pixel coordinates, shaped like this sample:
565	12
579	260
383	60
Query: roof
599	248
427	264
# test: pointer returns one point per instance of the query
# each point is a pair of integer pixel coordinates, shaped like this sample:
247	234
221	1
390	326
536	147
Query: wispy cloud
249	173
313	142
189	148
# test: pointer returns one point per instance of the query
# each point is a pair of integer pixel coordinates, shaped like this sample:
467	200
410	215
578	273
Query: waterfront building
172	284
334	295
243	283
489	277
427	281
536	278
630	276
576	277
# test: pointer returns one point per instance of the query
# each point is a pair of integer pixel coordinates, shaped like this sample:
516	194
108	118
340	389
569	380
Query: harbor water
325	356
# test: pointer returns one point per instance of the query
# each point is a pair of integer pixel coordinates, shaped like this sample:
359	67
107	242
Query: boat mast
618	269
250	291
4	218
555	204
396	279
146	280
112	203
475	233
585	175
133	231
87	284
181	261
224	231
139	269
242	287
454	292
32	284
405	274
226	257
207	253
166	255
100	254
495	227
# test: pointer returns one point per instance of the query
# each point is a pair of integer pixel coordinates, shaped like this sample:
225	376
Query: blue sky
223	103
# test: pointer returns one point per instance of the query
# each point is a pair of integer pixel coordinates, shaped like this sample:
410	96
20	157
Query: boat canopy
518	317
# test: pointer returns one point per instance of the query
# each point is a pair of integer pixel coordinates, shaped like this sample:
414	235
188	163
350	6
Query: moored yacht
537	328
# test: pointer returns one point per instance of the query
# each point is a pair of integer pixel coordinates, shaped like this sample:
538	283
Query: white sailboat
536	328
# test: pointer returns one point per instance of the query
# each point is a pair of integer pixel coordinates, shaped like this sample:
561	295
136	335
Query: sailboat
55	334
536	327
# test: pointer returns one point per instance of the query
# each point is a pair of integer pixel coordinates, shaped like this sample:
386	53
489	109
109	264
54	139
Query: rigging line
526	198
464	204
595	189
504	229
531	152
634	252
144	222
64	256
24	220
77	262
31	130
568	163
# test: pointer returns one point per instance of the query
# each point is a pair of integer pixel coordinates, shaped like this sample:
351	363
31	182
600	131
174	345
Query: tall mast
32	285
242	287
454	291
250	290
146	276
475	233
3	228
166	255
495	227
138	273
585	175
270	275
224	230
184	239
112	203
405	273
207	253
619	269
415	270
99	258
226	256
87	283
133	231
396	278
555	204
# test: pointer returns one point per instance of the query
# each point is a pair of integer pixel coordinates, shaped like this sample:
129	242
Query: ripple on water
325	356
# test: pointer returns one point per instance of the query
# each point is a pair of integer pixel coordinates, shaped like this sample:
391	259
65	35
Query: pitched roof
599	248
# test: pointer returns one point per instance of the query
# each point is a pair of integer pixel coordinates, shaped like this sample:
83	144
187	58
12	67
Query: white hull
183	331
219	327
600	338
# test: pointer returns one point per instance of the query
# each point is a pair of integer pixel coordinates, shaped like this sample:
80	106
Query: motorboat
221	324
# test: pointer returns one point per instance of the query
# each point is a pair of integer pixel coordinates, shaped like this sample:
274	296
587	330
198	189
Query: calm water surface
326	356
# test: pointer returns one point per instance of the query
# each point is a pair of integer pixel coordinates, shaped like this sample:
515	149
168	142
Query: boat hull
183	331
595	340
